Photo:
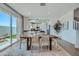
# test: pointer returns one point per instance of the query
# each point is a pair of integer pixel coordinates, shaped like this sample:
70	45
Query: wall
68	35
19	27
26	23
76	15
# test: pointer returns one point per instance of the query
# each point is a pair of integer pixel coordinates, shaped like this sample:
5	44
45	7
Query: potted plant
57	27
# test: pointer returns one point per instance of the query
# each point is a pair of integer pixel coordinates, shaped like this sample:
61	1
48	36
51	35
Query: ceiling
51	10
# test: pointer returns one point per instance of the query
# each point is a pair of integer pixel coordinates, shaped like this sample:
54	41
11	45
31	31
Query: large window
7	29
14	29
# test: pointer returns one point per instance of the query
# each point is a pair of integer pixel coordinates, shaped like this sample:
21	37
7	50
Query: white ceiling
51	10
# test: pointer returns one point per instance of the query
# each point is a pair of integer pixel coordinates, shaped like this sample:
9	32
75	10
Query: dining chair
55	41
40	40
35	42
44	41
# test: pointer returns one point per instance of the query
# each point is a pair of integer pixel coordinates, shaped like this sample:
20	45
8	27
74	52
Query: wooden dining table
30	37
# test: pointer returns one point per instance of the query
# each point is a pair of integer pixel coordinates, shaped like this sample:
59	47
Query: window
7	29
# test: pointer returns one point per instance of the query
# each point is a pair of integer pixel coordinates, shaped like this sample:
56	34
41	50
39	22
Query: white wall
77	39
76	14
70	34
19	27
26	23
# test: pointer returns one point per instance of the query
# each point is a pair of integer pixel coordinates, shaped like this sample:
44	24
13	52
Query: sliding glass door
14	29
4	30
7	29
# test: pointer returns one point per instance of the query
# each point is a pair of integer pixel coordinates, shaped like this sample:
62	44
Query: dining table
30	37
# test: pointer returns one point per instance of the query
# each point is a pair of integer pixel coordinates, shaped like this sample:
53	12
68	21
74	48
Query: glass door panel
4	30
14	29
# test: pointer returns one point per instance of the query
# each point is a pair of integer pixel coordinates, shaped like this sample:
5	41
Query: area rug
16	51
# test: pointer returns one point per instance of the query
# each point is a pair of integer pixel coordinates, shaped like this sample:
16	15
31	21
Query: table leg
27	43
30	42
39	42
50	43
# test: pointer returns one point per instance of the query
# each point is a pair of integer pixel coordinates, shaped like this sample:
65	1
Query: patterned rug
16	51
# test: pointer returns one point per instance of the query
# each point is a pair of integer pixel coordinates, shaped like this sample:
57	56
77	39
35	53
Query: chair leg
40	46
56	44
31	47
48	47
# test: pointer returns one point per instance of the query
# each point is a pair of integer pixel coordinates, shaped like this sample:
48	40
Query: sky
5	19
